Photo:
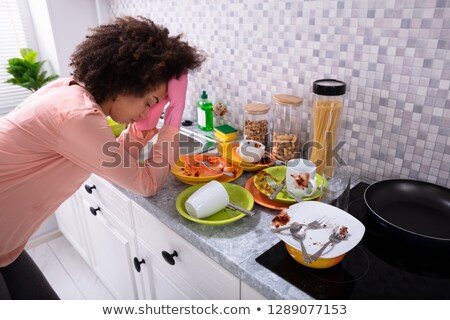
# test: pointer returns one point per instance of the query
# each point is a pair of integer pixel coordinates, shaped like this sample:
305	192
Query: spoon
206	163
299	234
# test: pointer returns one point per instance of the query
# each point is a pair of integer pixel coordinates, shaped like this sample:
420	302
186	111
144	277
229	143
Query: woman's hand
176	90
152	117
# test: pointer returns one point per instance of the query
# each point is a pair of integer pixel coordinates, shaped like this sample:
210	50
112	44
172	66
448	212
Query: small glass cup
220	110
337	192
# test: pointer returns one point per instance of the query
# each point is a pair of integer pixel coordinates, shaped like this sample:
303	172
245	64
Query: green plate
278	174
238	195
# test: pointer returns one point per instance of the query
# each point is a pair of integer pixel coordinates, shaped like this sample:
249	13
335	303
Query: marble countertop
234	246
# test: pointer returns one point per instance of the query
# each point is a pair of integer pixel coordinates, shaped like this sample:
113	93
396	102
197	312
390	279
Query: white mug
209	199
300	177
250	151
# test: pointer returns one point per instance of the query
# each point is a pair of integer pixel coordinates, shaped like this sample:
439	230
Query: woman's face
128	109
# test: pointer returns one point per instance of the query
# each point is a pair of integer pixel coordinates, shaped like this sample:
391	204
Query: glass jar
256	122
327	107
220	111
286	126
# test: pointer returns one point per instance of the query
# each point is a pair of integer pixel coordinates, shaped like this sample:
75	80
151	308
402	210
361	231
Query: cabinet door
248	293
195	273
112	249
71	225
111	199
161	283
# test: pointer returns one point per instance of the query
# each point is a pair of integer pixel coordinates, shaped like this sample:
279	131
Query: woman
51	143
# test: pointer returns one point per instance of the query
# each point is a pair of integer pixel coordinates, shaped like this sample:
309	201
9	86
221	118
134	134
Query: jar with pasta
286	118
256	122
327	107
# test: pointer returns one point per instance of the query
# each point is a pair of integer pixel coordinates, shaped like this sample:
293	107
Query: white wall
44	34
60	25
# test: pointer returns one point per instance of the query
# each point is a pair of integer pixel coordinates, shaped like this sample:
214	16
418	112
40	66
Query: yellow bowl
307	211
321	263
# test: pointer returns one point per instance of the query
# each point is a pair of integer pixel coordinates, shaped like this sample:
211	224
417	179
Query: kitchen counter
234	246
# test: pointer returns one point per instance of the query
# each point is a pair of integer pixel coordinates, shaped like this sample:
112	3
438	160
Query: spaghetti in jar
328	102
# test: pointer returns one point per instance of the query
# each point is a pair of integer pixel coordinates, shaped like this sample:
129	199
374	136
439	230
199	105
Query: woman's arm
87	140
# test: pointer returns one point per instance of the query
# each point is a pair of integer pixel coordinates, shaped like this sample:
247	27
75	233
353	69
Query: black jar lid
329	87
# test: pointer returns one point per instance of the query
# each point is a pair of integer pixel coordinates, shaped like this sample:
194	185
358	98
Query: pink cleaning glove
176	90
151	120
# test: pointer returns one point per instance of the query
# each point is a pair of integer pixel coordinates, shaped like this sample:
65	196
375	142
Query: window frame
21	24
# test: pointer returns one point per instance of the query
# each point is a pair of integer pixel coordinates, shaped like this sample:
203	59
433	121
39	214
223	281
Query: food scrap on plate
201	168
281	219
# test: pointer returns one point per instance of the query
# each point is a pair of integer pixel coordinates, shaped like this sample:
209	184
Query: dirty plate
262	199
190	170
228	151
305	212
238	195
278	174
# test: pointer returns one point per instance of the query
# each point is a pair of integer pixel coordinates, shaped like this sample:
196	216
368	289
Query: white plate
305	212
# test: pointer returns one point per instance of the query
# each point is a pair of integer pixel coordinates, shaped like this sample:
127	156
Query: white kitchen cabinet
248	293
123	244
69	219
187	273
96	220
159	282
111	245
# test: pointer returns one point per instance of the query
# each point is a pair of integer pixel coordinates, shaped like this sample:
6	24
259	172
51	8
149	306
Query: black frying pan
414	210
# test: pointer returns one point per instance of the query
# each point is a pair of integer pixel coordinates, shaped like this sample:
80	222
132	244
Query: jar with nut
256	122
286	126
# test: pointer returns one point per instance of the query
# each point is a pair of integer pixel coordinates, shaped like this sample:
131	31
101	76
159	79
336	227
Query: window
16	32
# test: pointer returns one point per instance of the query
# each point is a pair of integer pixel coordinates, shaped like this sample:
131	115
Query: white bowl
305	212
250	151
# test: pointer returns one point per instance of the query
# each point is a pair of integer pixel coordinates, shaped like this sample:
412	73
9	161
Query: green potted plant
26	71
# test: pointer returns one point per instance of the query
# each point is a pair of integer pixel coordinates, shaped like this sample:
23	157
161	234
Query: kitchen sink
189	143
193	143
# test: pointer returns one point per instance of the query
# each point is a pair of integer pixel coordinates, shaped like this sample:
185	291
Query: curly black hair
131	56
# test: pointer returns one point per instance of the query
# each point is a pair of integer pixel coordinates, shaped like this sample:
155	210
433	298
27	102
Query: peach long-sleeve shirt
51	143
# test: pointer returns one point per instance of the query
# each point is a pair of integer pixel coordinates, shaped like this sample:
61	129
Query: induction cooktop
379	267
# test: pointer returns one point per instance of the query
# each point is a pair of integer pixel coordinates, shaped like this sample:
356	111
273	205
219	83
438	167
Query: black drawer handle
137	264
94	210
89	188
169	257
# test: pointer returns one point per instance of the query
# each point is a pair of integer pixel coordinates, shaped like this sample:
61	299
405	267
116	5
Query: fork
316	224
235	207
274	186
206	163
335	237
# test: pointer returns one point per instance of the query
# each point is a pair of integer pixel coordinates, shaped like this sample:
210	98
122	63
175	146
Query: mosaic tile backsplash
393	55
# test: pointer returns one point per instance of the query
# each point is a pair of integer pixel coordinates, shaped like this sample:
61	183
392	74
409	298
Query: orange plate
200	172
228	151
262	199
